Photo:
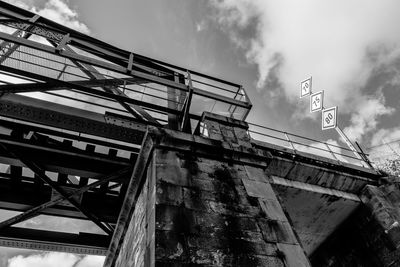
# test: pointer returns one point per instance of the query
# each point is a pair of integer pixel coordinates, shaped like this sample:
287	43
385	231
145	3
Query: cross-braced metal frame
73	113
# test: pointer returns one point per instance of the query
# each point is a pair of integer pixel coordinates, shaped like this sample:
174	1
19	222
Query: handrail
60	64
296	145
299	136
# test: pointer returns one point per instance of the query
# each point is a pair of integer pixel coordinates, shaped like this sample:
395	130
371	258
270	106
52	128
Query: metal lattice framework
73	113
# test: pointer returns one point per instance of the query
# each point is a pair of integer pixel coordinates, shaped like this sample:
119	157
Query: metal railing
299	143
209	94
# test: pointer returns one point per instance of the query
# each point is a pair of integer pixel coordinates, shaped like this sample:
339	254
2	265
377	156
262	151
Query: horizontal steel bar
26	127
58	199
26	194
94	44
120	69
71	161
82	243
69	118
292	134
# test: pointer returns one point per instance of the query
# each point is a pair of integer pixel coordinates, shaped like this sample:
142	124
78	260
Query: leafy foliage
389	166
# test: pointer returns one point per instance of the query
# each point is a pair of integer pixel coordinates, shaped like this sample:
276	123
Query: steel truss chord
10	48
49	86
137	111
40	174
82	243
185	124
90	90
35	211
124	70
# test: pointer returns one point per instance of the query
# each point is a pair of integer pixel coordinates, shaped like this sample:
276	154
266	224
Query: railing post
290	142
356	153
330	150
185	126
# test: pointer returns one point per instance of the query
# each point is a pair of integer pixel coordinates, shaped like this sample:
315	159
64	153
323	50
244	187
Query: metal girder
185	126
29	193
90	61
68	118
80	88
93	74
124	70
41	174
138	62
71	161
50	30
10	48
82	243
174	98
48	86
35	211
23	127
111	58
94	46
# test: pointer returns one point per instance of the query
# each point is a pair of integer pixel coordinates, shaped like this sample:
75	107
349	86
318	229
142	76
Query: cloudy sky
350	48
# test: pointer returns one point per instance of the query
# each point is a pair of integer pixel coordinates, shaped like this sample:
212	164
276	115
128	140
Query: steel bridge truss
73	113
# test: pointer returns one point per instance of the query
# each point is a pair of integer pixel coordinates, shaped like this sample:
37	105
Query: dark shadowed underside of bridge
160	158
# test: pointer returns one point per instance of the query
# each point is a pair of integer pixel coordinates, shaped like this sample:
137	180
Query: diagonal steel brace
34	211
40	173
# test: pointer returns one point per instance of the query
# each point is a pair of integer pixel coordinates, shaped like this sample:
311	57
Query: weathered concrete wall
370	237
210	213
211	207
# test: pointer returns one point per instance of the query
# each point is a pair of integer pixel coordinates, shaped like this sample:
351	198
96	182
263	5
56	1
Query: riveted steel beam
36	210
82	243
69	118
41	174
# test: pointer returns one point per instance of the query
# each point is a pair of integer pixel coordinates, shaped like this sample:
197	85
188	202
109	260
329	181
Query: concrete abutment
219	200
201	203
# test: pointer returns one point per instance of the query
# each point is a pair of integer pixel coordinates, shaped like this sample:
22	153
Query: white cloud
60	12
339	43
51	259
385	144
91	261
44	260
57	10
365	119
385	136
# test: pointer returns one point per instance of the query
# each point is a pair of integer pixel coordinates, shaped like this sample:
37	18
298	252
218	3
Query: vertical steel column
173	120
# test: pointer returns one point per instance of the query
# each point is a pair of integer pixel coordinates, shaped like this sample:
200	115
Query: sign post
329	115
349	144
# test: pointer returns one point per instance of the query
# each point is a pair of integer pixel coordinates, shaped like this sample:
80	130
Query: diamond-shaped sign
317	101
329	118
305	88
